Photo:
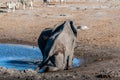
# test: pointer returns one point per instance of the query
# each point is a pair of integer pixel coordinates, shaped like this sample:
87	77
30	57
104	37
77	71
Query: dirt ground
99	46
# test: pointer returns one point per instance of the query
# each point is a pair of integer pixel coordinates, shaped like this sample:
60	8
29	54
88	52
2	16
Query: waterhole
21	57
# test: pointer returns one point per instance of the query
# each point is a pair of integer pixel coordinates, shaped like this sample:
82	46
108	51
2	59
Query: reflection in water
19	56
22	57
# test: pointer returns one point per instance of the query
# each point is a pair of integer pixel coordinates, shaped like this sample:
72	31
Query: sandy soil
99	46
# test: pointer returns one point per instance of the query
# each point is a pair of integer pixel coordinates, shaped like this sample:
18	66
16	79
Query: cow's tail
43	63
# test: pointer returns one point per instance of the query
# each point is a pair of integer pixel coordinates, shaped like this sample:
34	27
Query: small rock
73	77
82	27
29	71
62	15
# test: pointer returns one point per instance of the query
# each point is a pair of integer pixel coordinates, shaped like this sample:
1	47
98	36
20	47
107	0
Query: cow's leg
40	66
59	61
70	58
66	60
50	68
47	68
52	60
71	55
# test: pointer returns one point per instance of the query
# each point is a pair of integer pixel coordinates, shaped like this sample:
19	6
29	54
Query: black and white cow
26	3
47	2
57	45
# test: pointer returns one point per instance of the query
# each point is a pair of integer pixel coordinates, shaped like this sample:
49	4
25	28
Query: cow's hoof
69	67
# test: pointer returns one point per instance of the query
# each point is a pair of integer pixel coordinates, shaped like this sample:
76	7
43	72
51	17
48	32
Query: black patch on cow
58	28
43	38
73	28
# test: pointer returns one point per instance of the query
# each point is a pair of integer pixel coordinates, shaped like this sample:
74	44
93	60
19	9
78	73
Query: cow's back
65	36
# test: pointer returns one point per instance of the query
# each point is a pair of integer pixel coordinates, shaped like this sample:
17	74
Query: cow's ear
82	27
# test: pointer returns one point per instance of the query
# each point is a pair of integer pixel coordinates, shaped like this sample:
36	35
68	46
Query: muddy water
22	57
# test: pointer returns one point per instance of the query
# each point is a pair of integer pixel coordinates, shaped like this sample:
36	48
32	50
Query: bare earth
99	46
